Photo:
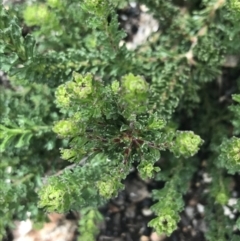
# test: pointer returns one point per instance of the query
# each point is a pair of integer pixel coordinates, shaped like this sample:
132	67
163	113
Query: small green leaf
236	98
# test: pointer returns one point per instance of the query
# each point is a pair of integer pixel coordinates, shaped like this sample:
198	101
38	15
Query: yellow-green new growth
67	154
115	86
235	5
147	170
65	128
79	88
164	224
55	3
230	155
36	14
157	124
134	85
134	93
109	188
99	8
186	144
62	96
234	151
222	198
106	189
82	87
54	198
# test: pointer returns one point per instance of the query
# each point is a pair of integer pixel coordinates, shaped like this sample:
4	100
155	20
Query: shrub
75	87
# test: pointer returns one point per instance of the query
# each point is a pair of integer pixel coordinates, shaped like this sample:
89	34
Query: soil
126	217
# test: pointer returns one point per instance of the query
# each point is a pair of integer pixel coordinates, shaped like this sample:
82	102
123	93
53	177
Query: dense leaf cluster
116	109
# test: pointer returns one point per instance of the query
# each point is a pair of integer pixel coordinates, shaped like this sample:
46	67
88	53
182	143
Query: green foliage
152	108
230	148
229	157
186	144
235	6
169	199
27	143
88	225
76	188
114	120
18	125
